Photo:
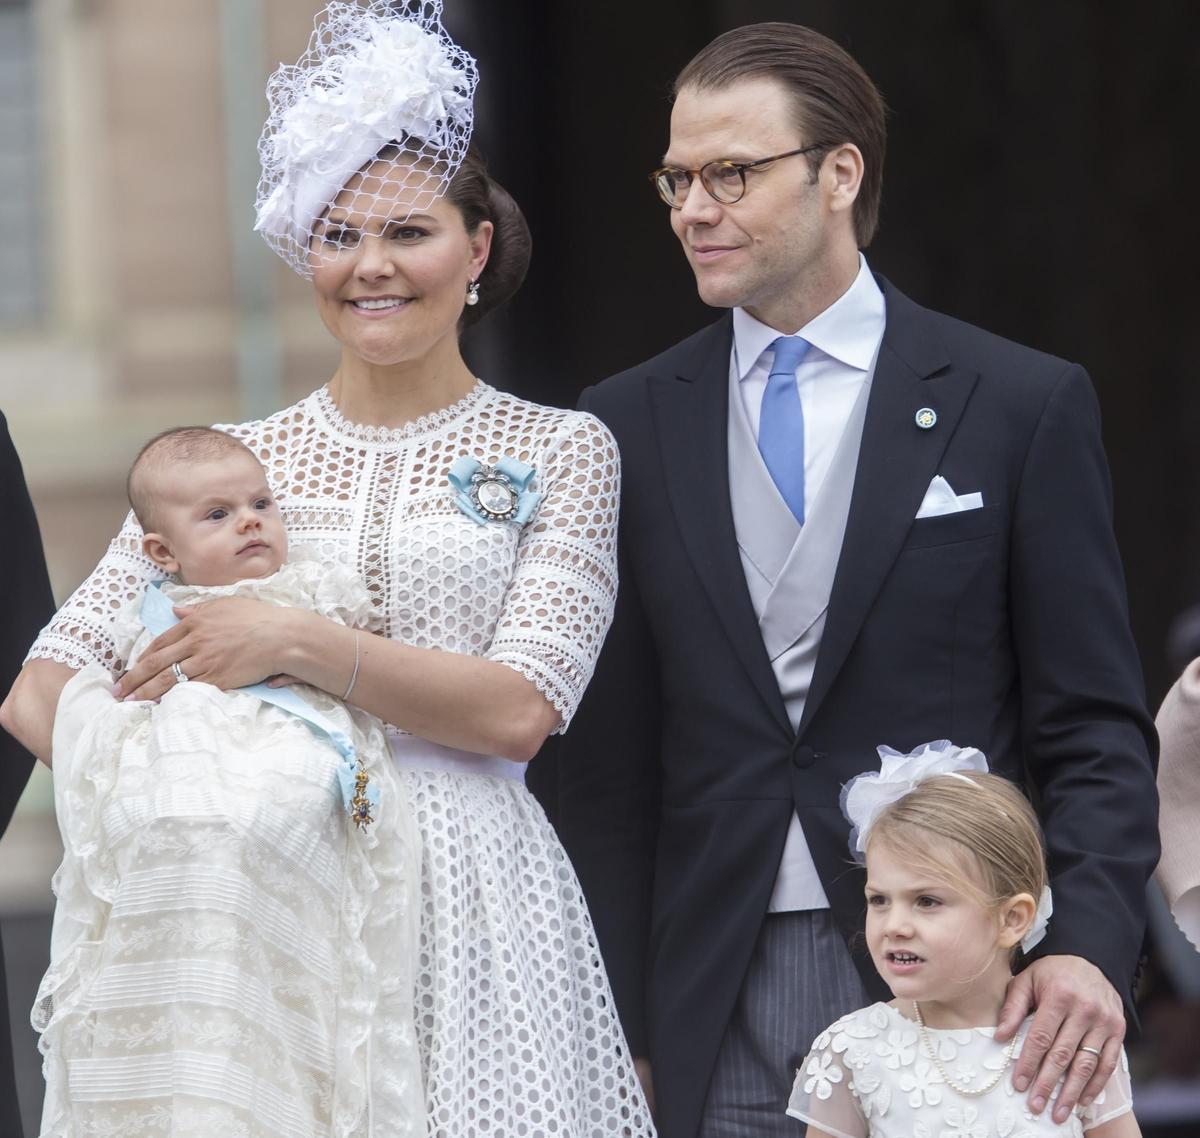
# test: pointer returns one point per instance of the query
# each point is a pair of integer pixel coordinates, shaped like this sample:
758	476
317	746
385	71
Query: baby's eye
928	902
217	514
263	504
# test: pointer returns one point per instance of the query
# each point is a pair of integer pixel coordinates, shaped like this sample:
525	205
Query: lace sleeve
81	632
559	603
823	1094
1116	1098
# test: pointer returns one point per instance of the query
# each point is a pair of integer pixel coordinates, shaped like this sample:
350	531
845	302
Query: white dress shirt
845	341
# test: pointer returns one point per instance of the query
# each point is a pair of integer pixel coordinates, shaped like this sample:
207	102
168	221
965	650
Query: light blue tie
781	424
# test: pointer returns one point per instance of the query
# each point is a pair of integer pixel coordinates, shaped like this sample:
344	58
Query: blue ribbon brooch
497	493
359	795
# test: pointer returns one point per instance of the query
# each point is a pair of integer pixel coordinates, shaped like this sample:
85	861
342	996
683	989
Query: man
886	527
25	605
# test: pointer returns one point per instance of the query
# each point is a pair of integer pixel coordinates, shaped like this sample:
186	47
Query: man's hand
642	1068
1076	1008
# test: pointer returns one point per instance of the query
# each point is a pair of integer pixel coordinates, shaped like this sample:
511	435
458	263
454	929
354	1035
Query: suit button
804	757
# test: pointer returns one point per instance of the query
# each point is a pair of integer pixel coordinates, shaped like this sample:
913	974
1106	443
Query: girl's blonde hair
990	843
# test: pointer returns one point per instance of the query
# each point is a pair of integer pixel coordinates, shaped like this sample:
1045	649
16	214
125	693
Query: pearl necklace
927	1043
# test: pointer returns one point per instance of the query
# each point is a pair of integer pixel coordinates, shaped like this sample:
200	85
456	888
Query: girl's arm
1124	1126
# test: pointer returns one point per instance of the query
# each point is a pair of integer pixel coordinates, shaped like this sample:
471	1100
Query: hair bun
479	197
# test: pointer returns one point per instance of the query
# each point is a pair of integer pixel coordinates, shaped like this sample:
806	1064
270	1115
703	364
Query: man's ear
155	546
1016	915
842	174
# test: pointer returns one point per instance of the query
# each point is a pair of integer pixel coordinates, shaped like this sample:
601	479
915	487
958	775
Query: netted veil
366	129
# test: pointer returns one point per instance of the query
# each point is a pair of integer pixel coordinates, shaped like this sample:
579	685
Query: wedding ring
1090	1050
180	675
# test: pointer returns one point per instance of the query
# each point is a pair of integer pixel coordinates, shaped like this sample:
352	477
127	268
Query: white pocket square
940	499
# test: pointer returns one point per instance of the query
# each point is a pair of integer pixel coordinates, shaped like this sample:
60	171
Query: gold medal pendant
360	804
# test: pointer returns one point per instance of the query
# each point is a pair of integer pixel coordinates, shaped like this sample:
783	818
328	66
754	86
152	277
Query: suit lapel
691	412
895	465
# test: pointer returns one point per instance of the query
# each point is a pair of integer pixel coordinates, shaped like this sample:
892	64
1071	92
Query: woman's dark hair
479	197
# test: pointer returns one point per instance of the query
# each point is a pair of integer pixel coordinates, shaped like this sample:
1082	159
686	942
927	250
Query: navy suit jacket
1003	627
25	605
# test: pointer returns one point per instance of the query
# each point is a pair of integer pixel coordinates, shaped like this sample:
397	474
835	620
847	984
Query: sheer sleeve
1116	1098
823	1095
81	632
559	603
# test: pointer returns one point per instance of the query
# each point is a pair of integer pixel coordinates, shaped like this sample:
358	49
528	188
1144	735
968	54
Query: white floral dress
515	1021
224	958
871	1076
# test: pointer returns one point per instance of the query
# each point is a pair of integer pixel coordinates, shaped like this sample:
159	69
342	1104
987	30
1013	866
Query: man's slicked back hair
835	100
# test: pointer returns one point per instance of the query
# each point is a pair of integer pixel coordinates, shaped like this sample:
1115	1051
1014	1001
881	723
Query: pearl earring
473	292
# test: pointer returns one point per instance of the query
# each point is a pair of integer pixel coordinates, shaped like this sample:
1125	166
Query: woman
485	528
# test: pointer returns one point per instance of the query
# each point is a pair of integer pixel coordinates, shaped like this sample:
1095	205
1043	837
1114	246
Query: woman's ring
181	676
1091	1050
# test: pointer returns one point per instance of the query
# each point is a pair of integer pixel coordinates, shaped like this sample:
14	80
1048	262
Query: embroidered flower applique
823	1072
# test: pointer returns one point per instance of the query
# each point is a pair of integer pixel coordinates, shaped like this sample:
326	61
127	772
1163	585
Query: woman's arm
527	683
28	712
467	702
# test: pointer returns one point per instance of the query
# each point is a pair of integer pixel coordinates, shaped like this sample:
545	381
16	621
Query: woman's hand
228	643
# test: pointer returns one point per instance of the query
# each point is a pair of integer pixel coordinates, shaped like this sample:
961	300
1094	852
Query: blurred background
1040	182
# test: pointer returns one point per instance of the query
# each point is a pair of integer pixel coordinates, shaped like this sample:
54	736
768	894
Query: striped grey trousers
801	979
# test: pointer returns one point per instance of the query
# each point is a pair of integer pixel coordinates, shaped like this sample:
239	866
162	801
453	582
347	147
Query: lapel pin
925	418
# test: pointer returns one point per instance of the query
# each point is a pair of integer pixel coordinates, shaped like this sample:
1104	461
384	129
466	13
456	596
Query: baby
223	930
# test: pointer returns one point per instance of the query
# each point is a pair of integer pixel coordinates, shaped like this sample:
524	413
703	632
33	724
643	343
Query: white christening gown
515	1021
228	951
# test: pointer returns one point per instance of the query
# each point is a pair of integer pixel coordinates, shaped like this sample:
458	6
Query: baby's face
218	521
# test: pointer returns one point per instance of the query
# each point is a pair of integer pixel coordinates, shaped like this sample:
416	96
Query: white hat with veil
378	81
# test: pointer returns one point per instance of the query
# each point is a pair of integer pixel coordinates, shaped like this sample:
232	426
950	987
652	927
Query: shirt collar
849	330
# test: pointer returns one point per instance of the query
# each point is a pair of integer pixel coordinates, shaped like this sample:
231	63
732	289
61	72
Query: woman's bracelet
354	674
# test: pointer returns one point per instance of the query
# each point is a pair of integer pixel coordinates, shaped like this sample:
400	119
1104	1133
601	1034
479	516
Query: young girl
955	862
235	935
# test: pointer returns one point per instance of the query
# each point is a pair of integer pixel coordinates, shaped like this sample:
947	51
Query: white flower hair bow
865	796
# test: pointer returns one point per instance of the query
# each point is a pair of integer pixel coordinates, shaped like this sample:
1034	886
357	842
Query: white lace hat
379	80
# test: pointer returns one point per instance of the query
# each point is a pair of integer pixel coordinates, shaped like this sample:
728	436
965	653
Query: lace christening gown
224	958
515	1021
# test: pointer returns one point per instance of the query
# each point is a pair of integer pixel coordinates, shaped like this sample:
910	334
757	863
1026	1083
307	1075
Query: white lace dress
871	1076
515	1020
224	958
